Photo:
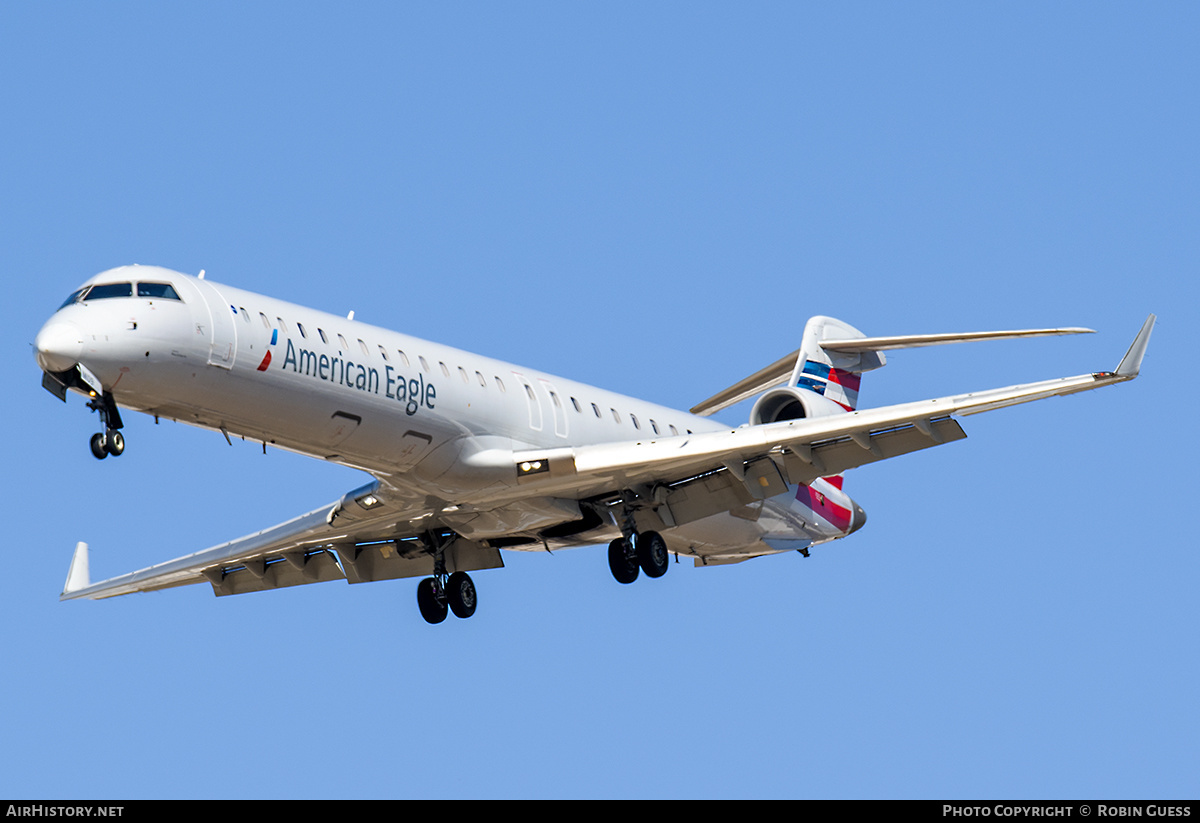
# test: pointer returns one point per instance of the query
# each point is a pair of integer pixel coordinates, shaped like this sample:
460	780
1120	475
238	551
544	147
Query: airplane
470	456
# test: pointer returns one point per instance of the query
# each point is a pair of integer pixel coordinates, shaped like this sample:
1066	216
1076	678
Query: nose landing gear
109	441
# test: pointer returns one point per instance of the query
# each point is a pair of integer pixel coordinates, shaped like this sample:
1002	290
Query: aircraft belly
786	522
718	534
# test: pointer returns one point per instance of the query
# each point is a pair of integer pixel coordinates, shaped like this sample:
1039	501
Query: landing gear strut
443	593
109	441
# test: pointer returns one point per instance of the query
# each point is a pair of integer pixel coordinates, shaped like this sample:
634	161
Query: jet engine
791	403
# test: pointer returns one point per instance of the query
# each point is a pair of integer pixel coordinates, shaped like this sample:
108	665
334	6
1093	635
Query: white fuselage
438	421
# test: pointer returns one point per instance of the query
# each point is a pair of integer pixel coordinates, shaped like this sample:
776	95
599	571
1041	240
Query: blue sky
671	190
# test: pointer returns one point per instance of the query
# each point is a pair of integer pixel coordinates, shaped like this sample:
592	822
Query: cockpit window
163	291
72	299
103	291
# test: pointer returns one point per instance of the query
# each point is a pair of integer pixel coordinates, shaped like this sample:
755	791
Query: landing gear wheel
460	591
430	601
114	443
652	554
99	446
621	561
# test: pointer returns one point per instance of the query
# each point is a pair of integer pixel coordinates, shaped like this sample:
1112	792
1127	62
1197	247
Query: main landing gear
646	552
443	593
109	441
440	594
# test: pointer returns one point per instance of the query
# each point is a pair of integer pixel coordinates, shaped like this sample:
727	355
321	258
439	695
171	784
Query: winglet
1131	363
78	577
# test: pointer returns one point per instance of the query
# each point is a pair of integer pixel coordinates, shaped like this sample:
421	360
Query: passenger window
445	369
674	430
282	325
366	352
636	425
303	333
342	344
482	382
654	426
403	357
575	403
424	363
321	332
383	353
245	314
500	384
162	291
266	322
596	409
463	373
616	415
107	290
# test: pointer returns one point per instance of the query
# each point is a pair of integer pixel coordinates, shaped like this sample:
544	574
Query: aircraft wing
800	450
364	536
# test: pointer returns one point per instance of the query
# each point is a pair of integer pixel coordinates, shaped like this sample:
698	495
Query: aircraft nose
58	346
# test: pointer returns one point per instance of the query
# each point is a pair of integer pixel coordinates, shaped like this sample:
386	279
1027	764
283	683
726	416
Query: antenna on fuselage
350	316
200	276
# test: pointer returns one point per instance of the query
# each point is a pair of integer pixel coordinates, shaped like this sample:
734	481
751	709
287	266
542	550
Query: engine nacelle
791	403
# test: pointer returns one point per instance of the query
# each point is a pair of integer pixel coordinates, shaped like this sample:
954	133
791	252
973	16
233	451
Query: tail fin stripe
847	379
821	370
812	385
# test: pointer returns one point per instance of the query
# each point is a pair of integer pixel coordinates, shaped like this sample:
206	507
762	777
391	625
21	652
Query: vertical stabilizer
835	375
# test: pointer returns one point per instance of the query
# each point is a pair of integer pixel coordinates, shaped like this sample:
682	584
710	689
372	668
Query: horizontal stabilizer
757	383
914	341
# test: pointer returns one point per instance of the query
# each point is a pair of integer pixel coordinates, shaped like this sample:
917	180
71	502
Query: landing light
368	501
528	467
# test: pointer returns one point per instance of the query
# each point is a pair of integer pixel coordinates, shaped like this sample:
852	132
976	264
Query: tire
114	443
99	446
652	554
623	567
432	609
461	593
